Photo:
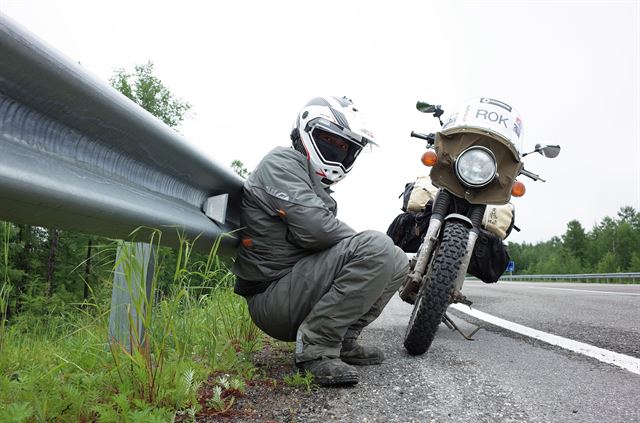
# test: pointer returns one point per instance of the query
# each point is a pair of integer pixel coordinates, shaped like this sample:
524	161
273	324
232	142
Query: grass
5	288
299	380
63	369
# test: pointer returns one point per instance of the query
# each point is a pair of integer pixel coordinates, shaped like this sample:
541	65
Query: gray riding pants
331	294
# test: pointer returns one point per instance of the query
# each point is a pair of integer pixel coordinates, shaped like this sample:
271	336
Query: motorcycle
475	160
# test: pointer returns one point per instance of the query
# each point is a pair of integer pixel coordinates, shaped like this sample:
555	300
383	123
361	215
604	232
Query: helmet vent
342	120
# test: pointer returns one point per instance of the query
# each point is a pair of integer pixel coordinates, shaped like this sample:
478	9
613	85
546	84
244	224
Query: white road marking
631	364
571	289
584	290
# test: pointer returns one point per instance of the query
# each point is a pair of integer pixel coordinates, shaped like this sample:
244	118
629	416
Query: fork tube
476	219
439	211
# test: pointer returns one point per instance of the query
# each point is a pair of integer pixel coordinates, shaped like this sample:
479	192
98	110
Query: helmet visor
335	144
334	149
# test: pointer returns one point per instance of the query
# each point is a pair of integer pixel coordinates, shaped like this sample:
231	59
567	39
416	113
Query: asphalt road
607	316
502	376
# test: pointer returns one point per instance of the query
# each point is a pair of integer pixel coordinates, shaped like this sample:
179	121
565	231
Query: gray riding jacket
286	215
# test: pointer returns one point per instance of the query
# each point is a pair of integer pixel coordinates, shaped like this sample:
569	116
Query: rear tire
437	286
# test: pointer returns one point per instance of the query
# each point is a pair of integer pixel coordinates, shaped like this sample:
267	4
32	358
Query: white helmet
331	133
487	116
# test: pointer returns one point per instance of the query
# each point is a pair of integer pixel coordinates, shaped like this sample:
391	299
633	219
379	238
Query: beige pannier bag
422	192
497	219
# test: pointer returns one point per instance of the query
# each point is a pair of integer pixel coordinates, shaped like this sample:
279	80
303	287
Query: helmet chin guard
331	133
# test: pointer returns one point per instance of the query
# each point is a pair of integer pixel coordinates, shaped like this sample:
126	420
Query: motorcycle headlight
476	166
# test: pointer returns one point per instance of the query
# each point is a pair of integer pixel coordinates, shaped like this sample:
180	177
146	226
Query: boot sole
336	381
362	361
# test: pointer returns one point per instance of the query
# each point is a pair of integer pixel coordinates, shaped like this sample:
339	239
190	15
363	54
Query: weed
237	384
218	403
234	383
5	289
16	413
298	380
223	381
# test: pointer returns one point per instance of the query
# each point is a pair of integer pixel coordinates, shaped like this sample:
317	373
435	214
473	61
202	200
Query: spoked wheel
436	289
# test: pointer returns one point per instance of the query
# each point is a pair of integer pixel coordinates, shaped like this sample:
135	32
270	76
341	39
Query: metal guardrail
76	154
629	277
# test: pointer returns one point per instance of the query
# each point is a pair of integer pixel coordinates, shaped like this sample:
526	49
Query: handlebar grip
531	175
419	135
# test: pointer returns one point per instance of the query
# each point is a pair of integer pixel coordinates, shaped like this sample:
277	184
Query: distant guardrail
629	277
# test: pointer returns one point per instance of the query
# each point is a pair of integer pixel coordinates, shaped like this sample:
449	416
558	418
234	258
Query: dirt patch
266	398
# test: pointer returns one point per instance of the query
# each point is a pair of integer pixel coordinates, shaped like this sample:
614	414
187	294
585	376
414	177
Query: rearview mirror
425	107
549	151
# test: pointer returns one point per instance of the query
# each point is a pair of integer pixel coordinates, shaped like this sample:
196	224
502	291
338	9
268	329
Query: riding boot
328	371
354	353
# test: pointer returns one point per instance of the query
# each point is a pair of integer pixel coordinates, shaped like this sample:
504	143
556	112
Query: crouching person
307	276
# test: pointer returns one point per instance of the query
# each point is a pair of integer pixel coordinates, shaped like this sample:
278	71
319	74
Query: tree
575	240
54	236
631	216
613	245
635	262
238	167
607	264
148	91
602	240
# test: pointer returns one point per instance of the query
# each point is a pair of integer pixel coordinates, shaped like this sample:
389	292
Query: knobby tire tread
433	298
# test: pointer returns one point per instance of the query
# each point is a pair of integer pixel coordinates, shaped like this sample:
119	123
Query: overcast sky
247	67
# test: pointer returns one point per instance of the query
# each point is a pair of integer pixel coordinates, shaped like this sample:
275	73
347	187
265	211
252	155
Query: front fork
475	221
439	214
414	279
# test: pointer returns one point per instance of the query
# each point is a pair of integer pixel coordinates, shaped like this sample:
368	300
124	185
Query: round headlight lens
476	166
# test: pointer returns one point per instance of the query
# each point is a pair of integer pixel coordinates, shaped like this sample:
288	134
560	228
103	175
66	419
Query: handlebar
419	135
430	138
531	175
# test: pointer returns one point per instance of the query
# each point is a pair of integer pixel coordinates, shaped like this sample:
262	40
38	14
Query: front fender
460	218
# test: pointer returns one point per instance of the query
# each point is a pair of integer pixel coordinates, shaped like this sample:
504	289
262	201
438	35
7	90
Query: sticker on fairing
496	103
451	121
487	115
517	127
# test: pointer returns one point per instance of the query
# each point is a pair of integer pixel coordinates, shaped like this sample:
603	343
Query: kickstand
451	325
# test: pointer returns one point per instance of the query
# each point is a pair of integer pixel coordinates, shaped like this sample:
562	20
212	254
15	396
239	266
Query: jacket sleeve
287	193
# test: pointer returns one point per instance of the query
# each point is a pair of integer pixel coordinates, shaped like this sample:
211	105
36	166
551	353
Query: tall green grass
64	369
5	288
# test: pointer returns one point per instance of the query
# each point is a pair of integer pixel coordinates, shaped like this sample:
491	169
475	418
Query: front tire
436	289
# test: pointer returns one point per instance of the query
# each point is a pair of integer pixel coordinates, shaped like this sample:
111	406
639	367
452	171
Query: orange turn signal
247	243
518	189
429	158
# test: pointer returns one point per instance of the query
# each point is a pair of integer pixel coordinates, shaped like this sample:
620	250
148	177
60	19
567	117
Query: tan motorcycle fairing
498	191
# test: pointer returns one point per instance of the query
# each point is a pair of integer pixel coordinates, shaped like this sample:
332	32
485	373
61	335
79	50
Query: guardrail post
131	295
